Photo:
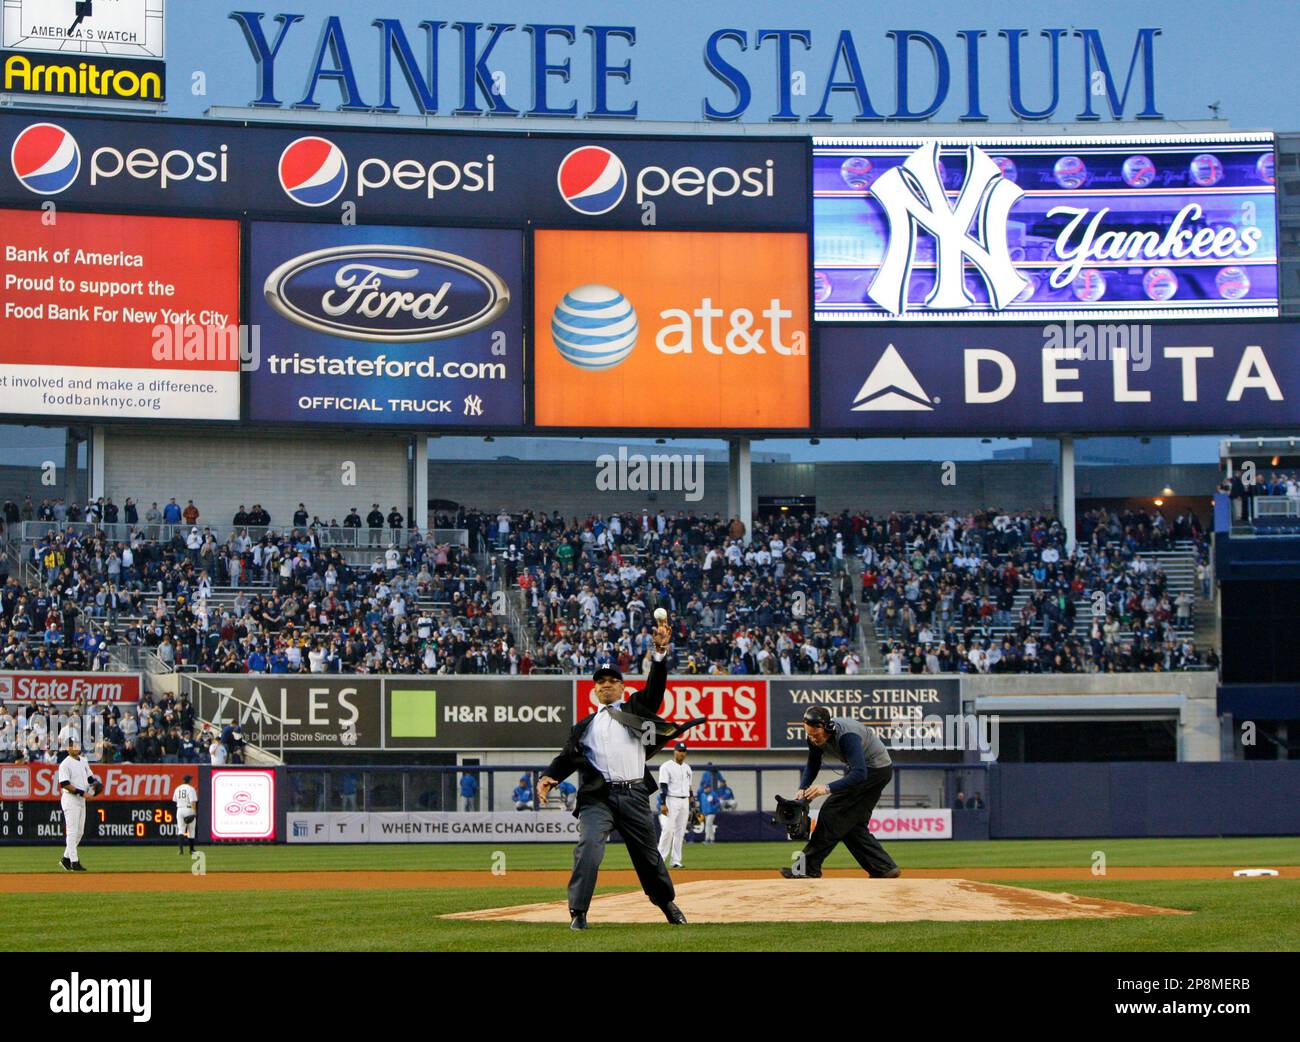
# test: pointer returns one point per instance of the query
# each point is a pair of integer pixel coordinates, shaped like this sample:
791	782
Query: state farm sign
736	709
121	781
118	688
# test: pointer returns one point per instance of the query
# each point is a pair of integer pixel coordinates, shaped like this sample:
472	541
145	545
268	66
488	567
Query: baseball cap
817	716
606	671
680	747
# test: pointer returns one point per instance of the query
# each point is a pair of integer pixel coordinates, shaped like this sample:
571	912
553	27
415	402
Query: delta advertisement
387	325
1095	377
736	709
121	317
895	707
659	330
1044	228
73	688
296	173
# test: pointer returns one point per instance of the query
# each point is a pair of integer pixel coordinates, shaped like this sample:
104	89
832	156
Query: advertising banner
303	174
894	706
95	688
736	709
243	803
980	228
436	712
897	823
111	316
1089	378
385	325
433	827
670	330
123	782
318	712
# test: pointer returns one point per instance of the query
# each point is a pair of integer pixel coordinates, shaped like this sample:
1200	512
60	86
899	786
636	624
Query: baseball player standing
675	799
187	812
75	779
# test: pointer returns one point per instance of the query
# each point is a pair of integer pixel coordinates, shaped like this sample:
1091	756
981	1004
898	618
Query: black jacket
645	704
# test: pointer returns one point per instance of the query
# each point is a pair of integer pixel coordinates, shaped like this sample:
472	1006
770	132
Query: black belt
624	784
672	797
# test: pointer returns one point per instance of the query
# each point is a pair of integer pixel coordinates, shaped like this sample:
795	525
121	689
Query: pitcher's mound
840	900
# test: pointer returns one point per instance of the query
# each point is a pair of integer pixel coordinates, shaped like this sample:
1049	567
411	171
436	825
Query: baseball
661	615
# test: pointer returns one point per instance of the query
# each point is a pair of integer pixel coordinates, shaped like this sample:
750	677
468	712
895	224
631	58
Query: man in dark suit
609	749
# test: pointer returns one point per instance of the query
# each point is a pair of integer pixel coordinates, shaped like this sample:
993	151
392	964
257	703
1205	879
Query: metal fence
375	788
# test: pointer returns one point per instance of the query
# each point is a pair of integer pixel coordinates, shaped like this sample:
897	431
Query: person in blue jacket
469	790
523	794
710	806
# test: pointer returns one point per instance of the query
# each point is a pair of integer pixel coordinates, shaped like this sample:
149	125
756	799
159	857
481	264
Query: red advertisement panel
108	315
116	688
122	781
736	709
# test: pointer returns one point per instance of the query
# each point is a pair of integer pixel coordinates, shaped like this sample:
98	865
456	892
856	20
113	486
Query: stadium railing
344	538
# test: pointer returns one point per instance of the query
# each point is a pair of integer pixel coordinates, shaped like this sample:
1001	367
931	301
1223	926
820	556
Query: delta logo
45	158
313	171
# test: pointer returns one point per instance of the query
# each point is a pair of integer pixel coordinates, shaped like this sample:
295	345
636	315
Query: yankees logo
913	199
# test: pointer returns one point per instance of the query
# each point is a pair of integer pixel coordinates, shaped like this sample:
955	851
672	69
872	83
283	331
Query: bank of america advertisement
380	325
1047	228
118	317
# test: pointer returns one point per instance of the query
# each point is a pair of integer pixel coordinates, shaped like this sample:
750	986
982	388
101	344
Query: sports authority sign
896	707
736	709
1039	228
122	782
97	688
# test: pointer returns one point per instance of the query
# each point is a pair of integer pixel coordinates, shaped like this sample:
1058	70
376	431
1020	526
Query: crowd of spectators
983	592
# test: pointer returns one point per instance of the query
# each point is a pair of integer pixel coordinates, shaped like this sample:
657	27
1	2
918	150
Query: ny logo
914	200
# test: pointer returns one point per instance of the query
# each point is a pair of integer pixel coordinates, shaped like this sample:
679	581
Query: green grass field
1230	914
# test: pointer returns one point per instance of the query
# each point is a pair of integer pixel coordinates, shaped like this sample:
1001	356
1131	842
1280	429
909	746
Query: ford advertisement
1025	229
411	327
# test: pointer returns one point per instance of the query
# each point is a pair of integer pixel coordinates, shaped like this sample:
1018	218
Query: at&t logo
45	159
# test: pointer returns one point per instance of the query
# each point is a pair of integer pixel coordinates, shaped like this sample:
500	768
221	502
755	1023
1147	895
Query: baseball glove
96	786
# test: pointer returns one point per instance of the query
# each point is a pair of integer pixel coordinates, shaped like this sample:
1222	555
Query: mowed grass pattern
1230	915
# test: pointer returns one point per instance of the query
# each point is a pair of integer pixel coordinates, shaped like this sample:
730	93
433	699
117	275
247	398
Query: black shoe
673	914
67	865
790	873
78	867
579	920
893	873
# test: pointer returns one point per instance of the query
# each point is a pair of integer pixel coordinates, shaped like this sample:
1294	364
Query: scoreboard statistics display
135	807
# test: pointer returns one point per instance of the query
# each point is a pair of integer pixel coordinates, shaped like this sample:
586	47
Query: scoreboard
135	807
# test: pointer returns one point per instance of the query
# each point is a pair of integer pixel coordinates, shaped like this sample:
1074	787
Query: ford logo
386	293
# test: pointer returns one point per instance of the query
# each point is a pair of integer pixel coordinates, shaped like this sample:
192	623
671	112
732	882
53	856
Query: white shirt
217	752
185	797
613	750
677	776
76	772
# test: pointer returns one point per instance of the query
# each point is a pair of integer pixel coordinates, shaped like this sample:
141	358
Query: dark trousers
844	816
629	812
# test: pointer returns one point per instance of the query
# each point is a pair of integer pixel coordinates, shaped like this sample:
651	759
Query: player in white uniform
187	812
675	794
75	779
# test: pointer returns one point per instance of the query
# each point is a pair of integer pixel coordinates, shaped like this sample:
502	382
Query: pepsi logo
592	180
45	159
387	293
313	171
594	327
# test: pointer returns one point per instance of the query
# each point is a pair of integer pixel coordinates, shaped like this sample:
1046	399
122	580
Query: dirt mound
838	900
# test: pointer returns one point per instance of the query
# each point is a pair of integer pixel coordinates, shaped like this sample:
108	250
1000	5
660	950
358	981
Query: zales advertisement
416	327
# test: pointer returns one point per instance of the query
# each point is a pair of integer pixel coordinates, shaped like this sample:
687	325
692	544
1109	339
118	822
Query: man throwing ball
852	798
609	749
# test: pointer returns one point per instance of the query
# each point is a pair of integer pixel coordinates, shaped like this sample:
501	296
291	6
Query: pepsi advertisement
327	175
1158	227
1083	377
407	327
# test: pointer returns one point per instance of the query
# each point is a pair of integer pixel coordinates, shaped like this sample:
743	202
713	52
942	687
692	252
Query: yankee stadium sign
1164	227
